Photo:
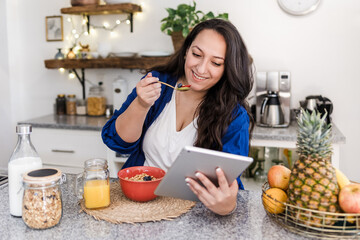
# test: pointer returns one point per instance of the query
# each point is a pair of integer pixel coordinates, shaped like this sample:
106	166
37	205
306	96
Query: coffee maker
273	99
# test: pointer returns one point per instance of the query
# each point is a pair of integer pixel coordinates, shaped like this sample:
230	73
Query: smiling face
205	58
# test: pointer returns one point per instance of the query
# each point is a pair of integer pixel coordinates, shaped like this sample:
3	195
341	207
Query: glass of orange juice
93	184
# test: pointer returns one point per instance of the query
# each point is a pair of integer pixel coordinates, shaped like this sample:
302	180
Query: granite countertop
248	222
73	122
96	124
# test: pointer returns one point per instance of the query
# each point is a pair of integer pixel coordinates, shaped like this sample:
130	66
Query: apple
279	176
349	198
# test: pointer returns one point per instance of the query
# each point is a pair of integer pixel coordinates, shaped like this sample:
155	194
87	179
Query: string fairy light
76	35
71	74
90	29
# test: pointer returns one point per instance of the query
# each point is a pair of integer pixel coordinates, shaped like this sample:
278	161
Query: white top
162	143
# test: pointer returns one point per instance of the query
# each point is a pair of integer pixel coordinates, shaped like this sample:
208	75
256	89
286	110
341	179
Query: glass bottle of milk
23	159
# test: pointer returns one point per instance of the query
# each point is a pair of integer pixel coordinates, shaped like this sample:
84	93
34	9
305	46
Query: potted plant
180	21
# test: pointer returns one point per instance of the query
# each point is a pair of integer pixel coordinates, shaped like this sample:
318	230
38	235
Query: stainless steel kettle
271	112
320	104
311	103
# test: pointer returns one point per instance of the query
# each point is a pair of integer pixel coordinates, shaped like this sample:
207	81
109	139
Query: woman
213	114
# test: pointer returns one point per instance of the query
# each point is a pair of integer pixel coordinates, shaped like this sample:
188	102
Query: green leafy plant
184	18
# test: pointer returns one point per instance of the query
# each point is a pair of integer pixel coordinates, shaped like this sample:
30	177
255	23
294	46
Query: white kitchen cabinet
68	149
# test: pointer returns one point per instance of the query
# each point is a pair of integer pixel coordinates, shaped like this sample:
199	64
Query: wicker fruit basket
297	220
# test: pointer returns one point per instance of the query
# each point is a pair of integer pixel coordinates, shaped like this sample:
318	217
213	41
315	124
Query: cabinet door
68	149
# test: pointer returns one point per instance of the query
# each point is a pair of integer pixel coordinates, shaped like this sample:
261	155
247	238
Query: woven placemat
124	210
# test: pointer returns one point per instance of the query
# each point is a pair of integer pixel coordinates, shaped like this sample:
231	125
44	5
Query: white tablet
193	159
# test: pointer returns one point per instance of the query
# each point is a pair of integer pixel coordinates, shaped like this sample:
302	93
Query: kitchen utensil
288	154
120	92
311	103
271	112
273	99
93	184
182	88
141	191
318	103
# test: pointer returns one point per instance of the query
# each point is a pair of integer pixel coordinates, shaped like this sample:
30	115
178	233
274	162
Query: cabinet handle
63	151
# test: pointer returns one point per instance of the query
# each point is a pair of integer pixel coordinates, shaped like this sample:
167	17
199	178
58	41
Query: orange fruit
272	205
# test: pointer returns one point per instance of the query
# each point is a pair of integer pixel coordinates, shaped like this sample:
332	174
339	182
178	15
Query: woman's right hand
148	90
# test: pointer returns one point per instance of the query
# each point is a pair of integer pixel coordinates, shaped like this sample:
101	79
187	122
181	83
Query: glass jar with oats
42	203
96	101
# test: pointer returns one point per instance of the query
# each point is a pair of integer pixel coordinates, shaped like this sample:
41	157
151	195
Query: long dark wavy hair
216	110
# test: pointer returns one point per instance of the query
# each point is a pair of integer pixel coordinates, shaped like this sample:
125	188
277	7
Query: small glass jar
96	102
42	202
71	105
61	104
260	174
249	172
93	184
81	107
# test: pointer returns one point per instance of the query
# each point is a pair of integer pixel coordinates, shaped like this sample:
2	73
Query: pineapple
313	183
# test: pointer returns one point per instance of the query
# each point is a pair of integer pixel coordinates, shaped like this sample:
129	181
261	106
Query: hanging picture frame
54	28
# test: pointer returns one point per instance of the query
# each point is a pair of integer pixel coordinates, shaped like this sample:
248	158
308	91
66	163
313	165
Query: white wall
321	50
7	140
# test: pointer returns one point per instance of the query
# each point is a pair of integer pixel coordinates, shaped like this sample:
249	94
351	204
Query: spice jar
96	102
42	203
93	184
81	107
61	104
71	105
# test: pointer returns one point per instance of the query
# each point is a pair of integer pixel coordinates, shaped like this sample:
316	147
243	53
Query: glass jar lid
61	95
71	96
42	176
96	163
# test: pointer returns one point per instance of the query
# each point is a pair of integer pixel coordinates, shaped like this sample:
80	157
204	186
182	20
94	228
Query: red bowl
140	191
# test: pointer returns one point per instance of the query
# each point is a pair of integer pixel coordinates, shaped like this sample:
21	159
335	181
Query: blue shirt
235	140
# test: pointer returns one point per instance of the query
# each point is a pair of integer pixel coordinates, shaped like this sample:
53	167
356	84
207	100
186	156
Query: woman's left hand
220	200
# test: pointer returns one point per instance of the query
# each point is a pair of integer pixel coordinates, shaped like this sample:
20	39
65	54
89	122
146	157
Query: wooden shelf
127	63
102	9
111	62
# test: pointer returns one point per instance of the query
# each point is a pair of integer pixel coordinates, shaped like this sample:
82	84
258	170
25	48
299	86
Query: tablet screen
193	159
